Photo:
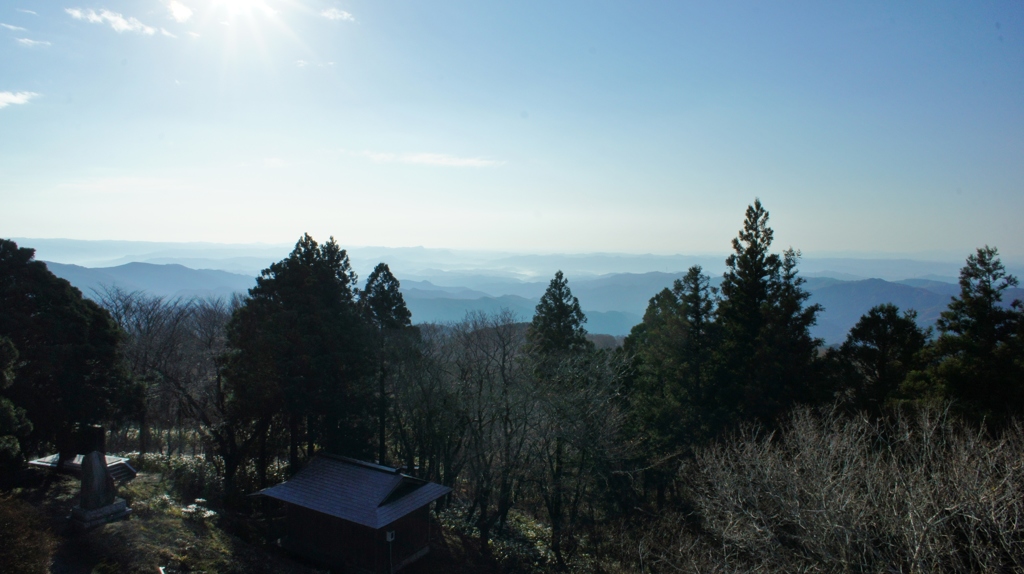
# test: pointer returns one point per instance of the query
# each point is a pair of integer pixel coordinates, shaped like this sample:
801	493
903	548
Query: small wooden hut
356	515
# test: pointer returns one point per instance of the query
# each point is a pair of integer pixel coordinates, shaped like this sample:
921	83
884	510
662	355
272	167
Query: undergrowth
831	493
521	545
27	543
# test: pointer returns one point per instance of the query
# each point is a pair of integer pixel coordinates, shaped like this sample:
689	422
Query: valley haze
442	285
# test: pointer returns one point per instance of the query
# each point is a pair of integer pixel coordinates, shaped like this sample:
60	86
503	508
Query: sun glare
243	7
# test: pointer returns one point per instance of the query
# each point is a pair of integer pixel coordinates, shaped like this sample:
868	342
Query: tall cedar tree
299	344
882	349
767	356
979	346
674	403
557	342
67	372
673	349
385	307
557	326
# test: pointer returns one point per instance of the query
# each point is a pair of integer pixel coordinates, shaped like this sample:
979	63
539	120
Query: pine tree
68	371
978	344
14	425
299	344
385	306
882	348
767	356
799	372
557	326
383	299
675	402
558	345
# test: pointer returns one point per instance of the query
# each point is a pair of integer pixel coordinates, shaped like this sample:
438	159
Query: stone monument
99	503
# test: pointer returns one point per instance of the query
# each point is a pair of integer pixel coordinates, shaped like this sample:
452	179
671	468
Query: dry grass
28	544
162	531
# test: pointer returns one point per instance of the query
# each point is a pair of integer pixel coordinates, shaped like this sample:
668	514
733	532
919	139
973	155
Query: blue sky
865	127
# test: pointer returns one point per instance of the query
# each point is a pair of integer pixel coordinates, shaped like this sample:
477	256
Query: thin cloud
336	14
166	33
179	11
9	98
305	64
12	27
26	11
449	161
118	22
29	42
435	159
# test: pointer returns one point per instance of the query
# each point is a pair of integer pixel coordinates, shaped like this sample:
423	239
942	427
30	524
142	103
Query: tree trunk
262	470
143	434
382	413
293	446
310	445
555	503
231	463
483	524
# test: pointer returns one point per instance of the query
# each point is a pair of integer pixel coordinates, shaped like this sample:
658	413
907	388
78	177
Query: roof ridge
363	463
394	486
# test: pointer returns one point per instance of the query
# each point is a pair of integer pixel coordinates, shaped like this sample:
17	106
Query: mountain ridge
613	303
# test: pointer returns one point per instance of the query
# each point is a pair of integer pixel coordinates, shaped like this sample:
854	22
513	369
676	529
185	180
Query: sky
866	128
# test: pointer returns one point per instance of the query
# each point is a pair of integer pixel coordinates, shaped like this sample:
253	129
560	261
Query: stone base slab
85	519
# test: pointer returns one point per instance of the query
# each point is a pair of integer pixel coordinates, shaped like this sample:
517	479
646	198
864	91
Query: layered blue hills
613	303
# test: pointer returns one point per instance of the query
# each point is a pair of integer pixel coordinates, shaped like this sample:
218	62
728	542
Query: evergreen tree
978	347
385	307
675	402
557	326
14	425
383	300
795	351
698	300
299	342
767	356
67	372
882	348
558	345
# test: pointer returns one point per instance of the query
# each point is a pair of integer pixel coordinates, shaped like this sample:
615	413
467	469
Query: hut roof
362	492
118	466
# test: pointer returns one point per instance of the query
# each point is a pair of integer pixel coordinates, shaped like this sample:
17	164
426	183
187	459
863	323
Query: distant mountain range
165	280
453	267
444	284
613	303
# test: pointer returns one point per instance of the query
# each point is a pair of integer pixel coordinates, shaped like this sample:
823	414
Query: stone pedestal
98	505
84	519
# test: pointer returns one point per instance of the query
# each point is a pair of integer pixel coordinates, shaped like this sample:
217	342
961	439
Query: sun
231	8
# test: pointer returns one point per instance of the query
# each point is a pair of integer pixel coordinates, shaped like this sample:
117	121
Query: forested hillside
721	436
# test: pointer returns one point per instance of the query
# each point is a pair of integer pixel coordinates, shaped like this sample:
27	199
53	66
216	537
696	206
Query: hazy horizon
443	285
865	128
455	266
944	256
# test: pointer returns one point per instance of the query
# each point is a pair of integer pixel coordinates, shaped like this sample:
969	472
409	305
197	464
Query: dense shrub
191	477
837	494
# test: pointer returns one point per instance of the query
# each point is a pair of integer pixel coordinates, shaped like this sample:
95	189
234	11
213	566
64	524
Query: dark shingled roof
356	491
